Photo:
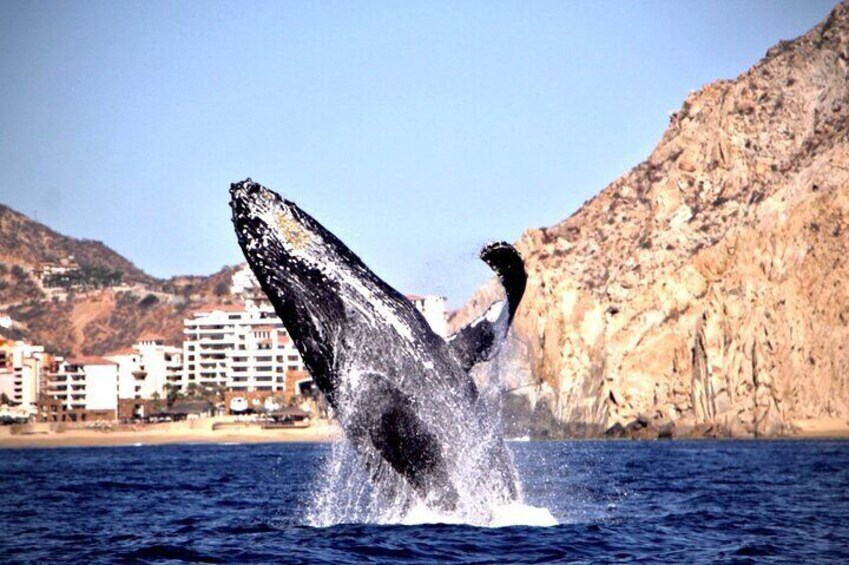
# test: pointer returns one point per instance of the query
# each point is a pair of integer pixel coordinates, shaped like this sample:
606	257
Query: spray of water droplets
480	469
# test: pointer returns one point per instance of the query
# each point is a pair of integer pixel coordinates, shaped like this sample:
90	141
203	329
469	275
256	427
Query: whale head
299	265
276	235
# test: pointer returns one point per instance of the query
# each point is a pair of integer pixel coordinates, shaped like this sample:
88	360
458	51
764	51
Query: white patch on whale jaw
492	315
494	312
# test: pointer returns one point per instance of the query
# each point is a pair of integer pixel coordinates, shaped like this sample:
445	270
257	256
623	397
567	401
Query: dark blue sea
617	502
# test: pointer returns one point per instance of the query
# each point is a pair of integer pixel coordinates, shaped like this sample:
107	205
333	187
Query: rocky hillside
704	292
27	242
108	304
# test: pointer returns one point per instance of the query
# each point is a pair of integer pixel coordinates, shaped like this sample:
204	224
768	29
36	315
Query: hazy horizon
415	132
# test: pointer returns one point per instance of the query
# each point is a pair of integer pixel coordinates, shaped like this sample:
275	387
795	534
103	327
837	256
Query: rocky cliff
705	291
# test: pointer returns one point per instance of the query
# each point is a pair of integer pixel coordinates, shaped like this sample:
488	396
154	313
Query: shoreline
190	432
230	430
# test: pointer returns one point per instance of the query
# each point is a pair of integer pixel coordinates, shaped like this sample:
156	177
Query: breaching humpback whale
402	394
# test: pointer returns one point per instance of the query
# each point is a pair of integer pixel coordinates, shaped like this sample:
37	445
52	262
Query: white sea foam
514	514
518	514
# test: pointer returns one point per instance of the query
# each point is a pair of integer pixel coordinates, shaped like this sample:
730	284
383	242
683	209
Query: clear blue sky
415	131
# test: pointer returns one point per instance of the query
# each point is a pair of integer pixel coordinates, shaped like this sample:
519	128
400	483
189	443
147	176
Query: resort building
80	389
50	274
145	371
240	347
433	310
21	372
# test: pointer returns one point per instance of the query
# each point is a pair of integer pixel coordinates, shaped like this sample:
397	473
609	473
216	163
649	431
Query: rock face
706	290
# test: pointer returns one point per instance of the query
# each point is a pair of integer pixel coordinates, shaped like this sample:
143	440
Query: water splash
480	469
419	431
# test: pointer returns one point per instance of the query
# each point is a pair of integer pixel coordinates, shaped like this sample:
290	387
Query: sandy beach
207	430
230	430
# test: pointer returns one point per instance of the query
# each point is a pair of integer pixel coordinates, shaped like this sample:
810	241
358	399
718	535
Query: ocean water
616	502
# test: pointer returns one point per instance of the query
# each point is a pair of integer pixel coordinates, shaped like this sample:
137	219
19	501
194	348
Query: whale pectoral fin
479	341
476	342
385	417
508	264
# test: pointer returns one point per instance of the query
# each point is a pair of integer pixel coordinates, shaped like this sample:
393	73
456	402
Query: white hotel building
246	348
147	367
22	367
145	371
243	347
81	389
433	310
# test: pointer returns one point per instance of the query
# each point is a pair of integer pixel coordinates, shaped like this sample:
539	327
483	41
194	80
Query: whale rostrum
401	393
